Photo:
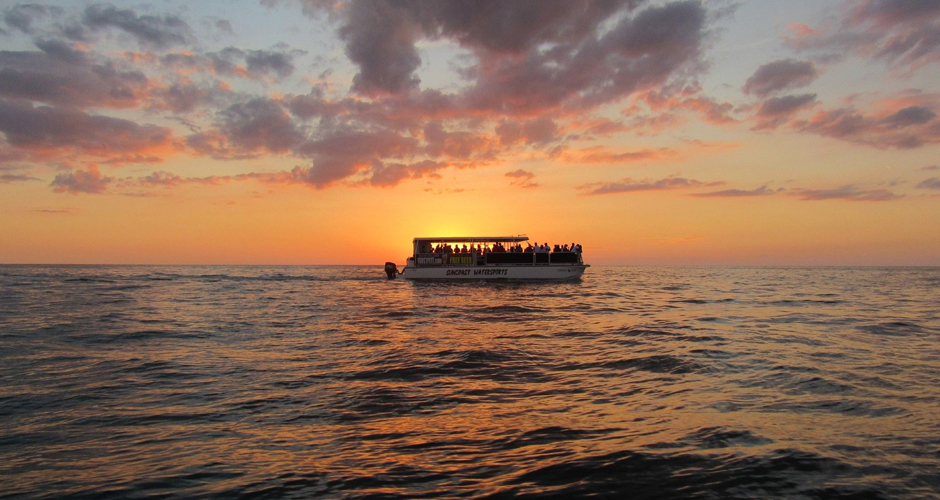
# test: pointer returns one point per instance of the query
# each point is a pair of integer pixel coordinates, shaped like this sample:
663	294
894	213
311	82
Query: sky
333	132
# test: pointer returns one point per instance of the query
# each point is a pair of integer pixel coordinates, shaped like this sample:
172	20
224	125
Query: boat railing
496	258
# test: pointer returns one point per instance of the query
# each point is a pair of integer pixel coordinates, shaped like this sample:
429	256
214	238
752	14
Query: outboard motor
391	270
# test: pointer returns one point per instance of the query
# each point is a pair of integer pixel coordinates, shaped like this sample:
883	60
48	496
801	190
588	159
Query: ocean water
331	382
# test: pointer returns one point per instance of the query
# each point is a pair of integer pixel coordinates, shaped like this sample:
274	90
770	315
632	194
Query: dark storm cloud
778	110
780	75
150	30
43	129
81	181
931	183
59	74
632	186
848	193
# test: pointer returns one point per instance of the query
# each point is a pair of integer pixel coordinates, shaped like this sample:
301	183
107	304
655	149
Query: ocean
332	382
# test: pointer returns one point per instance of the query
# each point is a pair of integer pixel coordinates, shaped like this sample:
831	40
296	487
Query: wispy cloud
632	186
848	192
739	193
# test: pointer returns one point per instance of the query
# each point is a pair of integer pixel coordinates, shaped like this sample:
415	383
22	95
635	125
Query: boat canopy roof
469	239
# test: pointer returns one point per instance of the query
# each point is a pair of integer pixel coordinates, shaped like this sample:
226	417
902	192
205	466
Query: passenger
564	247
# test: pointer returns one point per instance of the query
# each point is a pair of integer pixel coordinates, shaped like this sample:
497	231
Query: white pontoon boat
487	258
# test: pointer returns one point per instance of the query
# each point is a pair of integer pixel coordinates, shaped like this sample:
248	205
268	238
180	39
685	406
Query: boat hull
490	273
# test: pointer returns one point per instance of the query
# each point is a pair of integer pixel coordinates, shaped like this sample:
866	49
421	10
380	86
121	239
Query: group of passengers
499	248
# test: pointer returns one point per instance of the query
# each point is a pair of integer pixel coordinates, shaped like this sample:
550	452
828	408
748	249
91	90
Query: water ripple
261	382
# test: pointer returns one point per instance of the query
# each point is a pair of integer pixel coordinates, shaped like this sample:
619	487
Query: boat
469	258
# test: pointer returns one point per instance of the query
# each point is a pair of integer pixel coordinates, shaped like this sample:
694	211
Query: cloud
930	168
250	128
270	62
780	75
632	186
910	127
344	153
167	179
81	181
600	154
671	98
530	56
59	74
638	53
11	178
847	192
522	178
387	175
183	97
149	30
739	193
380	39
10	174
381	35
538	131
22	16
900	32
912	115
531	73
778	110
931	183
46	130
462	145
